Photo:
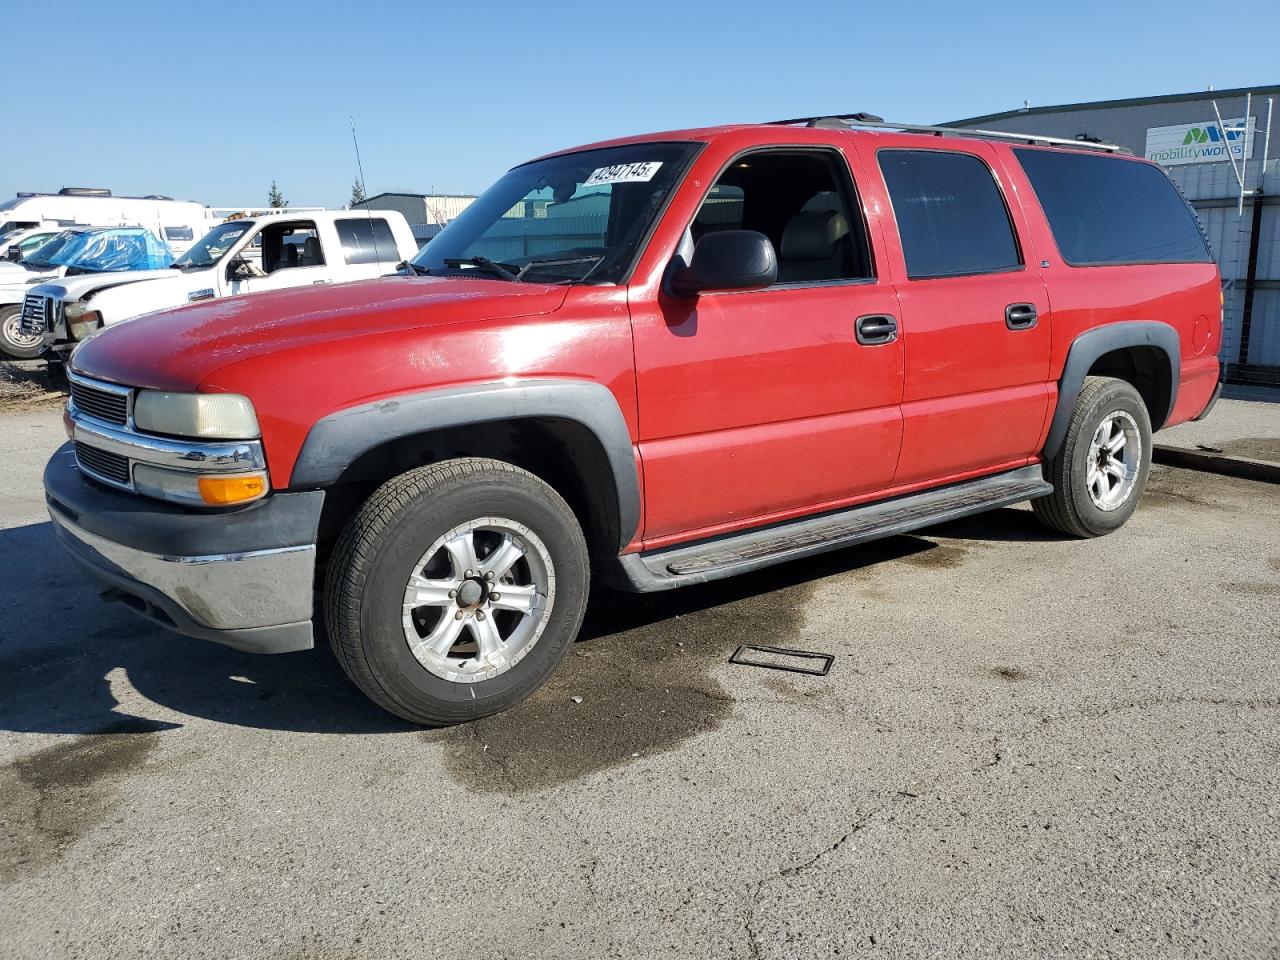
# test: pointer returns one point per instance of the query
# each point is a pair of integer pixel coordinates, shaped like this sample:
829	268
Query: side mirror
728	260
14	253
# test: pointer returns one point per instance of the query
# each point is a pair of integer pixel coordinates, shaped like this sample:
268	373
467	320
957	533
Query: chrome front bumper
260	600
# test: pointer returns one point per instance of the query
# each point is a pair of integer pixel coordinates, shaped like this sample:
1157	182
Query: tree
276	198
357	192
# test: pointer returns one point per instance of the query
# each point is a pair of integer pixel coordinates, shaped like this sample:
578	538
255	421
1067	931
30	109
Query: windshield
43	255
573	218
214	244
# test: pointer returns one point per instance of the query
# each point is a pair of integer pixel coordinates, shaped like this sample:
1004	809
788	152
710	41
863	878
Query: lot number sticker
624	173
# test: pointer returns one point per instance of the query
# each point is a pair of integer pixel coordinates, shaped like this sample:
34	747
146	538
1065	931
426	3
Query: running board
736	553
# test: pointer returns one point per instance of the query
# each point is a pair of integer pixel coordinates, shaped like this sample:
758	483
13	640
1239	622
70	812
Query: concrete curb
1262	470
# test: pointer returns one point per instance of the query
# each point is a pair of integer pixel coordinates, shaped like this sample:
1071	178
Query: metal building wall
408	204
1127	123
1214	192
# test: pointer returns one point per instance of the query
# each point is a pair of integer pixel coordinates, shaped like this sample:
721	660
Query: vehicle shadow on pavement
65	654
71	663
1006	525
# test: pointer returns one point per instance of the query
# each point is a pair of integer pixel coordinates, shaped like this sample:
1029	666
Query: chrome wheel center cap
470	593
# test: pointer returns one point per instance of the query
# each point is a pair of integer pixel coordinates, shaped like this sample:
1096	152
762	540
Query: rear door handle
1020	316
875	329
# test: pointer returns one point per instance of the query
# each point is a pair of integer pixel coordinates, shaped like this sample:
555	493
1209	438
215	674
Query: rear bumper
1213	397
242	578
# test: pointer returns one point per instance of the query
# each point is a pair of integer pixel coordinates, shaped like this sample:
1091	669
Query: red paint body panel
762	401
743	408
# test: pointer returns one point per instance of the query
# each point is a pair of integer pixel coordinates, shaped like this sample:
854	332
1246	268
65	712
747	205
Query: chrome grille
102	464
35	314
109	405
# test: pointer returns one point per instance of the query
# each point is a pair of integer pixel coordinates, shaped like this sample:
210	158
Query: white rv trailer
179	223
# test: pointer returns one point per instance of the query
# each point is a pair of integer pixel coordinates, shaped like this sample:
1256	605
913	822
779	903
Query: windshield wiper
484	263
416	269
554	262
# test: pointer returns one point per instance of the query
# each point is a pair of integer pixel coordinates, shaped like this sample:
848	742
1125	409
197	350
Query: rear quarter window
366	240
1108	210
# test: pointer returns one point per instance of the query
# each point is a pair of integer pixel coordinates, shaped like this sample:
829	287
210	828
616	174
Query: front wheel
1099	474
13	342
456	590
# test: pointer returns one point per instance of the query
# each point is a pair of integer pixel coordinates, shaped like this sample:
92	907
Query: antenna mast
364	189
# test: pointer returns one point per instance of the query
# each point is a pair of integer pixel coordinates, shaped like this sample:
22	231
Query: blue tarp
121	248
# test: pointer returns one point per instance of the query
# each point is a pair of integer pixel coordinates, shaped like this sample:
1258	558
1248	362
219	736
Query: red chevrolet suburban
649	362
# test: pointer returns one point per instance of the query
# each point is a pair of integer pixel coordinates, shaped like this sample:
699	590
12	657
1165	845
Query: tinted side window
1111	210
950	214
179	233
366	240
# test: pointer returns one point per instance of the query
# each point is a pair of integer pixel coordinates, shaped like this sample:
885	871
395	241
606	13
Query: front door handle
875	329
1020	316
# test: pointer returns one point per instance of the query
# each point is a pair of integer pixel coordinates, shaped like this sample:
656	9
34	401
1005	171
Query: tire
12	343
1090	503
420	524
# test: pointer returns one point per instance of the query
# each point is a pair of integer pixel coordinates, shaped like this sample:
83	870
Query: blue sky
210	102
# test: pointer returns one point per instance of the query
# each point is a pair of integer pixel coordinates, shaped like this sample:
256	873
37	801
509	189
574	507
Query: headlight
211	416
205	490
75	309
84	325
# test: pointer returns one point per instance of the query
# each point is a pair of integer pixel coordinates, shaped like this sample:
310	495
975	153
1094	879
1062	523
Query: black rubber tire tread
1061	509
354	552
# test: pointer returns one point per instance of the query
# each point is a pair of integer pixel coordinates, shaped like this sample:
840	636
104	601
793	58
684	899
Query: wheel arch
1145	353
570	433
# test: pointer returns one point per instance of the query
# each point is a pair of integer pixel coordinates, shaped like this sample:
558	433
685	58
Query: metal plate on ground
815	664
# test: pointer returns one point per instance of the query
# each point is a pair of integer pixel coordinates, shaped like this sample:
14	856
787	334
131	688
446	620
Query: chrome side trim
234	557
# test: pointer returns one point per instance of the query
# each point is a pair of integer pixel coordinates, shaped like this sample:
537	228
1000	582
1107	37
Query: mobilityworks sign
1200	142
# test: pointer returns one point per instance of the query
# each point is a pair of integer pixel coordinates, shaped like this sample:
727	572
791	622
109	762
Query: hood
177	349
11	272
82	285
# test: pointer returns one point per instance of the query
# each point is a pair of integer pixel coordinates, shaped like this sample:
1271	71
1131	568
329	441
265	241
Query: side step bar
737	553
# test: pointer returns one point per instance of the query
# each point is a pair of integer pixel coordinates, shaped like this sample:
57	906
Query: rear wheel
13	342
1099	474
456	590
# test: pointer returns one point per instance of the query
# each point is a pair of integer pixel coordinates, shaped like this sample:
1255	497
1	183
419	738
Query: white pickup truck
246	255
16	244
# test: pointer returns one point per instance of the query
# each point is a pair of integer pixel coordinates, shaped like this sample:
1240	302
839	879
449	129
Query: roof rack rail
871	121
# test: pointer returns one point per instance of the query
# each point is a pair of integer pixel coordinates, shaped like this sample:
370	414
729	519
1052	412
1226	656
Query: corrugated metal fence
1247	248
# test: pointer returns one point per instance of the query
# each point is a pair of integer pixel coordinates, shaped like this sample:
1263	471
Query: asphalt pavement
1026	746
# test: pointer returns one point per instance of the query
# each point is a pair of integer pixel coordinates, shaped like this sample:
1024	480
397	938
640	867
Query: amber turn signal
227	491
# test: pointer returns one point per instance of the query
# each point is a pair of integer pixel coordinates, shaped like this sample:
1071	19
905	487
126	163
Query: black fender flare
1092	344
337	440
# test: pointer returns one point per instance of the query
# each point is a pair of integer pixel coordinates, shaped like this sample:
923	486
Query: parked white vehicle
179	223
75	251
16	244
240	256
